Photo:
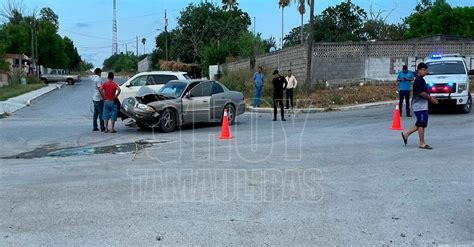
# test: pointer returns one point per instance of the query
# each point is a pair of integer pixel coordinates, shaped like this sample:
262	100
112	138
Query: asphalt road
335	178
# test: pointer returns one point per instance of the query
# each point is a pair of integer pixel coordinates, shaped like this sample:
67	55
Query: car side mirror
188	95
470	72
128	85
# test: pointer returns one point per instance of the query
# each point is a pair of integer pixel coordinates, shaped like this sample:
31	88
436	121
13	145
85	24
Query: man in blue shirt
405	77
258	82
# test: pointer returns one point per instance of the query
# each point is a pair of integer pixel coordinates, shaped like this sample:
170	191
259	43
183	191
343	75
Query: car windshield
173	88
446	68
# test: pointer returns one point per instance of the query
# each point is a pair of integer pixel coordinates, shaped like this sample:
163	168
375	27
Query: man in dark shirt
279	85
420	107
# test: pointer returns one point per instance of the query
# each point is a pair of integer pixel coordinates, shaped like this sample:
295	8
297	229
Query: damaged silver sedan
183	102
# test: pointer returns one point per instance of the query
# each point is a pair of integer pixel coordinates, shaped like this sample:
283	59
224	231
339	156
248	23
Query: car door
196	107
156	82
53	76
218	101
131	89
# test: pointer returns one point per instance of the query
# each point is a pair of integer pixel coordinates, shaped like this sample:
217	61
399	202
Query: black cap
275	72
405	67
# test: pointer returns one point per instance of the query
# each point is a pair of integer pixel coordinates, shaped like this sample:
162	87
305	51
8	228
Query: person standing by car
258	82
405	77
420	101
111	91
279	85
97	100
292	82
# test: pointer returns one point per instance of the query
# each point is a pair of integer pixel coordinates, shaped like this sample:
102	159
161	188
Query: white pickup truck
448	81
59	75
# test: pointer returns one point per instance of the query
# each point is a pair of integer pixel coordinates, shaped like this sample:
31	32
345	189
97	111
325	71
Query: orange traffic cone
397	121
225	131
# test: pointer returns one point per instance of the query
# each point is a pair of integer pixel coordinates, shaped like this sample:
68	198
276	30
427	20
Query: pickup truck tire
70	81
467	107
44	80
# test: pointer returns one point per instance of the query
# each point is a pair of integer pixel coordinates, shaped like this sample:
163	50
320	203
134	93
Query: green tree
440	18
122	62
47	14
342	22
229	4
203	24
268	44
72	54
4	66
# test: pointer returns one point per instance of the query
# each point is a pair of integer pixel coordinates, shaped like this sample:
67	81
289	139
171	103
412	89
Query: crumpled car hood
146	95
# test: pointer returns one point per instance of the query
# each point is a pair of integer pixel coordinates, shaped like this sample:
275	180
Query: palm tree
143	42
282	4
302	10
229	4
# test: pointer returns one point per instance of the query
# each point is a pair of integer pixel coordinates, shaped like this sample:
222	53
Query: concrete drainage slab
122	148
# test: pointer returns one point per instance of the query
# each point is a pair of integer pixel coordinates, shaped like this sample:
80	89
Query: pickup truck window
446	68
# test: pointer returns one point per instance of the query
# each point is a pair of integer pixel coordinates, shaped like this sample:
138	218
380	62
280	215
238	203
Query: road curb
336	108
19	102
317	109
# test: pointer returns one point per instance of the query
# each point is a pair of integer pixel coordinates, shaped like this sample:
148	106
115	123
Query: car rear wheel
70	81
231	114
168	121
467	107
44	80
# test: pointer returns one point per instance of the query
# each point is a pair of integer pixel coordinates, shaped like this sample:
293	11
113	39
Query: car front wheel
231	113
168	121
467	107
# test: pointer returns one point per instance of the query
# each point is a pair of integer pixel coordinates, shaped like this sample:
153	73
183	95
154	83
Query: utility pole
254	25
137	46
166	35
309	53
114	30
34	46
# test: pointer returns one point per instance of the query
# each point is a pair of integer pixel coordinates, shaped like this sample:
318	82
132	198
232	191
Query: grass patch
318	96
15	89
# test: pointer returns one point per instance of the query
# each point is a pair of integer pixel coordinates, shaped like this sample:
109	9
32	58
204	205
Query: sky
89	22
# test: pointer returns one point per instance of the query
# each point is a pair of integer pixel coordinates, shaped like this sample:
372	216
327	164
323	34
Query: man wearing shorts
111	91
420	101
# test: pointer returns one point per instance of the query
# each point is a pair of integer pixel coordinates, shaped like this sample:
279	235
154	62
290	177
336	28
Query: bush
242	81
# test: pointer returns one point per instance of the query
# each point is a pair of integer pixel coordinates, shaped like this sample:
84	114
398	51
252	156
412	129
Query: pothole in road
123	148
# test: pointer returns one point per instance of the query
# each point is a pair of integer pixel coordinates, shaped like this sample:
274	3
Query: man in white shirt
292	82
98	100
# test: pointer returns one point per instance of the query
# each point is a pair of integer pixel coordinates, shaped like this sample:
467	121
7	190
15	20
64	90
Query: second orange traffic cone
397	121
225	131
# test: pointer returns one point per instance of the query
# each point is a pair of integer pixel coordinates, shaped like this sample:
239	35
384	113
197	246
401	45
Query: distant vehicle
448	81
154	79
59	75
183	102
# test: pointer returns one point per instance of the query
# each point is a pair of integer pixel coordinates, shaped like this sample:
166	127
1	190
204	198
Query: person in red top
111	91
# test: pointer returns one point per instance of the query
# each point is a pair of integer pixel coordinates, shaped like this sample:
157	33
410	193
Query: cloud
82	25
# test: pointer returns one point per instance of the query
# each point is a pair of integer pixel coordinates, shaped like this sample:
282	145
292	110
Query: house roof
17	56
